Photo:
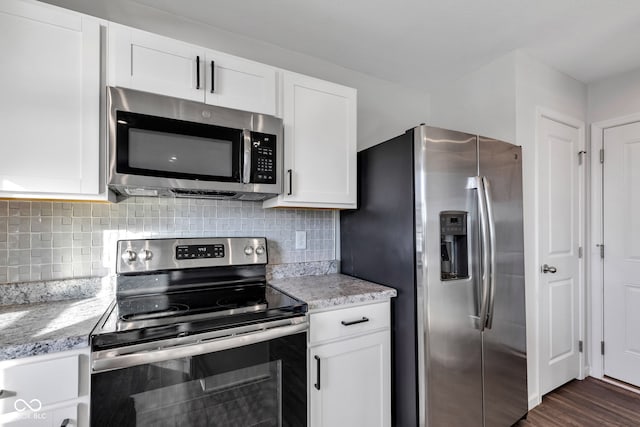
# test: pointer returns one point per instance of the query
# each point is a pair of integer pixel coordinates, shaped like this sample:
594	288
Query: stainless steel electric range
197	337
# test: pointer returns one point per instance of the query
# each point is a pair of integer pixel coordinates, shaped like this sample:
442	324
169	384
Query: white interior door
621	196
559	194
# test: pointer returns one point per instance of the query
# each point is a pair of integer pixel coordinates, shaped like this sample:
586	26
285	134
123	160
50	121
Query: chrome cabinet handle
7	393
549	269
355	322
317	384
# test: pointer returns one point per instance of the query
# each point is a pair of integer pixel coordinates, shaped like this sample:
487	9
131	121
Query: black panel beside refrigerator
377	244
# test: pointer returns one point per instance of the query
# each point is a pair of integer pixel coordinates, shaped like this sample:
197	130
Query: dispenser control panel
454	256
453	223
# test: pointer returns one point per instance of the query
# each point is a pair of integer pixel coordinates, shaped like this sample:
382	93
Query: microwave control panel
263	158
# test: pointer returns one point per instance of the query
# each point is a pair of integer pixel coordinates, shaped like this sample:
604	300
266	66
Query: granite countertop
332	290
55	316
35	325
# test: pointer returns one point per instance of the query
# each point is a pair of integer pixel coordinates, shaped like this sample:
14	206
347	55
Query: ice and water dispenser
454	263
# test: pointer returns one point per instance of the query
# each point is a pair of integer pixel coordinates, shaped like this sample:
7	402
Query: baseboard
534	400
620	384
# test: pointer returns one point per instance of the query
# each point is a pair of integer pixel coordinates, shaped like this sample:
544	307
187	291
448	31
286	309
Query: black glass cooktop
141	318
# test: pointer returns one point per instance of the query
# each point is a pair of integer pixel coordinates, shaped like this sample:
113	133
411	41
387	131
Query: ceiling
420	43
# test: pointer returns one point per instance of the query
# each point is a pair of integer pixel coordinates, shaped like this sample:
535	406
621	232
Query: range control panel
199	251
263	158
145	255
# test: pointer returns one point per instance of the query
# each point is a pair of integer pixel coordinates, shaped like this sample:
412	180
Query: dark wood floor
589	402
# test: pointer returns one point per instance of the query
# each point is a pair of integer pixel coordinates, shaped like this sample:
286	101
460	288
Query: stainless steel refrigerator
439	218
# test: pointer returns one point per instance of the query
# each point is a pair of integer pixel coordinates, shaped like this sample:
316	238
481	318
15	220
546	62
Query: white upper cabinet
320	144
152	63
241	84
49	103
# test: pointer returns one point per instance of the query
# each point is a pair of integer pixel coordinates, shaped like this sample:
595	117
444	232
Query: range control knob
145	255
129	256
259	250
248	250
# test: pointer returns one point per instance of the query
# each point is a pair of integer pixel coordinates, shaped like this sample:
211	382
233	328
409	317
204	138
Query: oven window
155	146
261	384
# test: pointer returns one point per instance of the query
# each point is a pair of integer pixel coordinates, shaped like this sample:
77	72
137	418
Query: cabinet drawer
43	417
348	321
38	383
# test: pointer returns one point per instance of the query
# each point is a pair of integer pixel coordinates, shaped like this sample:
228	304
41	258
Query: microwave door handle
246	161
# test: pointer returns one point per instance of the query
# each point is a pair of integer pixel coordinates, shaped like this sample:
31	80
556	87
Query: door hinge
580	252
601	246
580	153
580	346
602	347
602	155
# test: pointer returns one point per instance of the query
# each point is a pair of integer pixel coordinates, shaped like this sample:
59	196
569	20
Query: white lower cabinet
48	390
63	417
350	372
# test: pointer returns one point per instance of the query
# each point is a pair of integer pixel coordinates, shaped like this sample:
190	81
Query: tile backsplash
58	240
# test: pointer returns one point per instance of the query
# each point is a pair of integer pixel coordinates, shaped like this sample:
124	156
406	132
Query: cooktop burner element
161	294
171	310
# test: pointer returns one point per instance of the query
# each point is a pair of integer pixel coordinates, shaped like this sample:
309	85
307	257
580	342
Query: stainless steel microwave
168	147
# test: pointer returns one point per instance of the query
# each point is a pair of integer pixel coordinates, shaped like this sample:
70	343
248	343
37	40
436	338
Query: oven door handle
114	360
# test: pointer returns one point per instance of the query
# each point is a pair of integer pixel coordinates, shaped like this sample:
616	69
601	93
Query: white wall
615	96
481	102
538	86
385	109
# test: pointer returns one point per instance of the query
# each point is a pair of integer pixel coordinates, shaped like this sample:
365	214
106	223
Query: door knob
548	269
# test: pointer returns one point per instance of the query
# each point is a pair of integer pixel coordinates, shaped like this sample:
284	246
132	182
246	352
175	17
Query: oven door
248	379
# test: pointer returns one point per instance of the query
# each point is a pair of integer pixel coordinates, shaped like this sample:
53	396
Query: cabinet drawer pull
6	393
198	72
355	322
65	422
290	172
317	384
213	78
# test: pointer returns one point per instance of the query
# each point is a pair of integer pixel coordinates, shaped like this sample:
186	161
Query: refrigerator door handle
492	251
484	242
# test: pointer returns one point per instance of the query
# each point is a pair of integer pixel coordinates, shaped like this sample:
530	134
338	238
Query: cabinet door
151	63
354	382
320	144
49	107
241	84
43	417
45	381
